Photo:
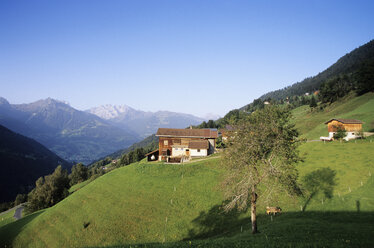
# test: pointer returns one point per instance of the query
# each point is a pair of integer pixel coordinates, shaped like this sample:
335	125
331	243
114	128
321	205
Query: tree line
53	188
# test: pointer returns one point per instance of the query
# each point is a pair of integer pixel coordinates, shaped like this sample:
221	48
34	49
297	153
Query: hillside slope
22	161
346	64
311	123
156	203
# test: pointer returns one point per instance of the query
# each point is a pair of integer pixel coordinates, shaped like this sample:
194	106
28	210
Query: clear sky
186	56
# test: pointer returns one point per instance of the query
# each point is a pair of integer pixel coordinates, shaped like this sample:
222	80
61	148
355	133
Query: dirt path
18	213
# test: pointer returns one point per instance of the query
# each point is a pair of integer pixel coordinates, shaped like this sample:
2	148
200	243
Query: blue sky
189	56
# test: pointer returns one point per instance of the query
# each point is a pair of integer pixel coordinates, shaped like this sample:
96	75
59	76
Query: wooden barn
185	142
352	128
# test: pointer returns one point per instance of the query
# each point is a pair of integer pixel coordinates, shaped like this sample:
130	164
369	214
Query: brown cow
273	210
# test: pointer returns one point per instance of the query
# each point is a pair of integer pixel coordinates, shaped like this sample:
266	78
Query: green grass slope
354	166
6	218
311	124
128	205
153	203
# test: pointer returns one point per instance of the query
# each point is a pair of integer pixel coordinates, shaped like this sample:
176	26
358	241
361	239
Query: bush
340	133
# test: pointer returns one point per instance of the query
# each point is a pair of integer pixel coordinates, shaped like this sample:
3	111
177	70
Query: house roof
151	152
198	144
195	133
346	121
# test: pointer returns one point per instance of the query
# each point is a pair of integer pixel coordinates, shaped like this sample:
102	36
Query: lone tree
260	159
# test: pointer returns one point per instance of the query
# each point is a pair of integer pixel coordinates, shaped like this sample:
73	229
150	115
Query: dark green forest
359	59
22	161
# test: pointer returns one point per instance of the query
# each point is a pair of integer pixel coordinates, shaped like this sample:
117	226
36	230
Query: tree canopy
49	190
260	159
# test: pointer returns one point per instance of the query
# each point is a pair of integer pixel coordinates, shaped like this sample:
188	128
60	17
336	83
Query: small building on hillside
350	126
185	142
225	132
152	156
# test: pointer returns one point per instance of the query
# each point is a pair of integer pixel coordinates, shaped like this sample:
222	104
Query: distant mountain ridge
72	134
109	111
22	162
141	122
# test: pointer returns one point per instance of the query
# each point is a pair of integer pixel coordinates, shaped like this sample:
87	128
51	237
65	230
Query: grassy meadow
311	123
6	218
162	204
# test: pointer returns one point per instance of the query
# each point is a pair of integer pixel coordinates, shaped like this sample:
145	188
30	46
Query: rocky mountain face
22	162
72	134
109	111
141	122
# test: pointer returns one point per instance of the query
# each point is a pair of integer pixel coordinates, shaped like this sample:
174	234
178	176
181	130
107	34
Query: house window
198	150
166	142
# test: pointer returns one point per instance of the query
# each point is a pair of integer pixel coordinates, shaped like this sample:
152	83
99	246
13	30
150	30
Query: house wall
178	152
162	145
350	135
201	153
331	126
170	141
212	146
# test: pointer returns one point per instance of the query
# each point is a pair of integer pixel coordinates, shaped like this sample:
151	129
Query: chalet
350	126
185	142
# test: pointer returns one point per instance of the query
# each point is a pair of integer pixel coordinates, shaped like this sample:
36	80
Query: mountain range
72	134
85	136
22	161
141	122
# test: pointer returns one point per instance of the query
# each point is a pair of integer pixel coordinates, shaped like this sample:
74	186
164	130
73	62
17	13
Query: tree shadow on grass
290	229
217	222
318	181
11	230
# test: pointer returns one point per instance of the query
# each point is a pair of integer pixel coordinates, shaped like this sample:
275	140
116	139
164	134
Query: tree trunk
253	212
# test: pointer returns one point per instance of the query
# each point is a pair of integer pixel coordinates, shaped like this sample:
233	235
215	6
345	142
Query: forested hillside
22	161
349	63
